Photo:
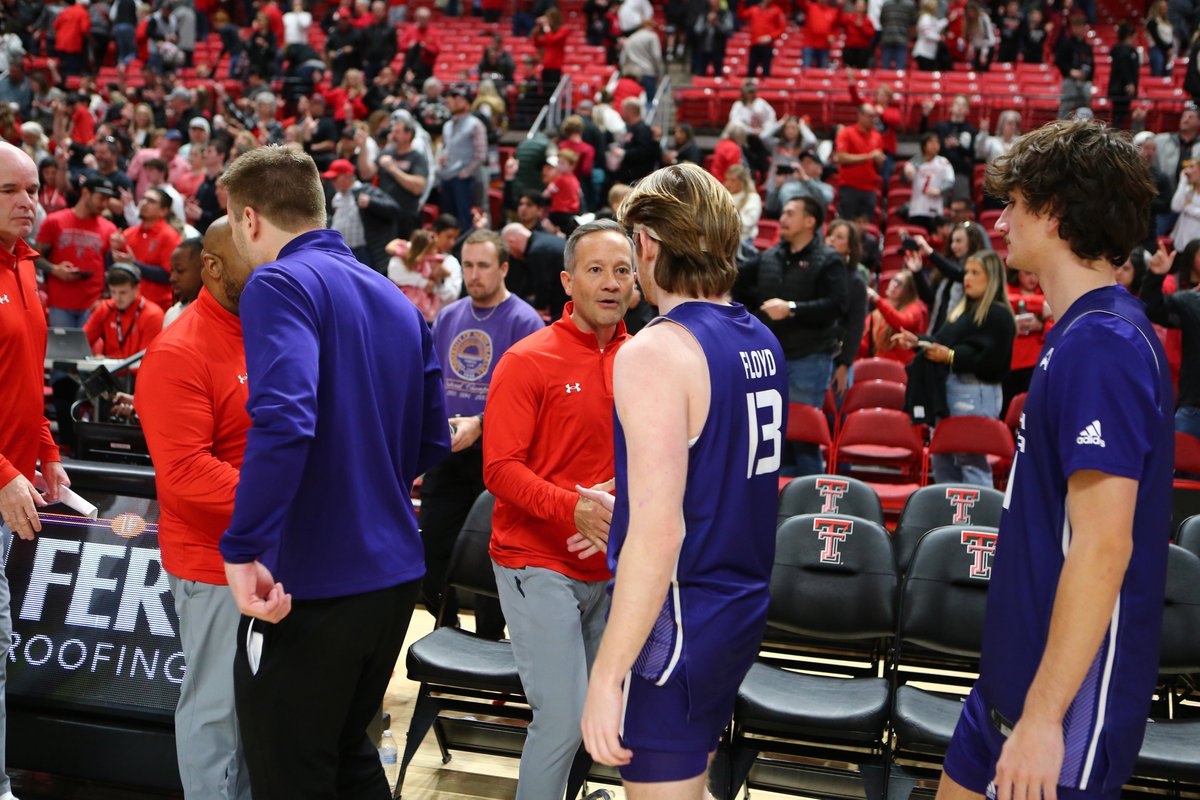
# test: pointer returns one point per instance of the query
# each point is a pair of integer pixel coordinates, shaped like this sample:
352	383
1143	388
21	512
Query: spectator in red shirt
562	187
75	242
83	124
25	438
550	34
858	150
570	137
856	50
125	323
150	244
887	122
728	150
821	19
899	310
421	46
71	30
191	398
767	24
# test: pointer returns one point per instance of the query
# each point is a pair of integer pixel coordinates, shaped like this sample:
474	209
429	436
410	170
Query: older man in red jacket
25	438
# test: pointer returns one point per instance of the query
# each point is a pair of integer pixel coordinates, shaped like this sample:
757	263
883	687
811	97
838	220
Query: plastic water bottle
387	749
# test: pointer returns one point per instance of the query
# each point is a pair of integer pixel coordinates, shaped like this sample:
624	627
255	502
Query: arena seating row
823	96
871	642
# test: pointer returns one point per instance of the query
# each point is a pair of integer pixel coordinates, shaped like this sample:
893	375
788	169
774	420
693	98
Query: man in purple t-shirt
469	336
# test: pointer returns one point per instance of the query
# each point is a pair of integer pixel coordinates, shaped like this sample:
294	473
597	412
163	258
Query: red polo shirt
119	334
191	398
863	175
153	244
71	28
548	427
24	431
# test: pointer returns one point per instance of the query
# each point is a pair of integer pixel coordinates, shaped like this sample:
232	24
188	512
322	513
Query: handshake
593	516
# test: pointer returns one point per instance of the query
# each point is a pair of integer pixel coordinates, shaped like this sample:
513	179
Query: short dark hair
492	238
532	197
812	208
925	137
158	164
596	226
1087	175
122	275
254	178
445	222
193	246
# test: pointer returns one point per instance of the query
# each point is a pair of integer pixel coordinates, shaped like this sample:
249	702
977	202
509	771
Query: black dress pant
322	675
447	494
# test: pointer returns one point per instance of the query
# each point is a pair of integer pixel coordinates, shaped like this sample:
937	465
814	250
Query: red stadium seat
873	394
880	369
881	446
970	434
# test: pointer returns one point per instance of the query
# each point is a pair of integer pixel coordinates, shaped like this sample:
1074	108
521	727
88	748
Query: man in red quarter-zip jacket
24	432
550	429
191	397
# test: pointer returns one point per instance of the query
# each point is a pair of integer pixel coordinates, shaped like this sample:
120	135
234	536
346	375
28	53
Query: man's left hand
601	723
1030	760
776	309
466	432
53	477
364	200
256	592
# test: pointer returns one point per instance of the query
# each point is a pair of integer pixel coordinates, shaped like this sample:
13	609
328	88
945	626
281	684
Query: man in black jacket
378	41
1073	56
536	261
802	295
365	215
642	152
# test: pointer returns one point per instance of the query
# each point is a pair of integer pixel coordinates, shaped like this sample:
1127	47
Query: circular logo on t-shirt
471	354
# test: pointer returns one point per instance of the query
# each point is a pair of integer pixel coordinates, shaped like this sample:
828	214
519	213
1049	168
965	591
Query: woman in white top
929	36
1186	203
932	178
745	200
296	24
753	112
1008	128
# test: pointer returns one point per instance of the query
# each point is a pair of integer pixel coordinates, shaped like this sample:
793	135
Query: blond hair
693	219
994	292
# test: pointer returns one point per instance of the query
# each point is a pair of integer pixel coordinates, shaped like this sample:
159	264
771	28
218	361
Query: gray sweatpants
207	742
555	624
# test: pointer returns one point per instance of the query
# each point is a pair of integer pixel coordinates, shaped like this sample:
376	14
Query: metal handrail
557	108
664	109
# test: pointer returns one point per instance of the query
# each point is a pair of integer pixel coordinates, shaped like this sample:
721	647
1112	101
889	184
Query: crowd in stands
132	111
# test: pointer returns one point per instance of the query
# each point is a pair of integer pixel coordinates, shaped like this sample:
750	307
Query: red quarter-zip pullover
191	397
549	427
24	431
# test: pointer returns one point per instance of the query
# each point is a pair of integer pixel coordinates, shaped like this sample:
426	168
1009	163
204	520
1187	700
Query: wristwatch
792	307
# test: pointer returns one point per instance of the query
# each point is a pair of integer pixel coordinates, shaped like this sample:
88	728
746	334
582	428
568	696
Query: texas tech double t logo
962	499
833	532
981	546
832	490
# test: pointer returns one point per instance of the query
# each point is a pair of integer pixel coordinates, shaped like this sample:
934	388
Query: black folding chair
944	504
941	628
834	584
829	494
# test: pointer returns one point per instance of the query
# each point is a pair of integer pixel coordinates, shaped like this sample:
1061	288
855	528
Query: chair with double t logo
833	588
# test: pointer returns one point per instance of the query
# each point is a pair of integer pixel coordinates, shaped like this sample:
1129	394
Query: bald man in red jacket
25	438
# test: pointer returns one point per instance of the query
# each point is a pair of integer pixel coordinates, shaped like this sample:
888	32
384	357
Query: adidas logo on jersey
1090	435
